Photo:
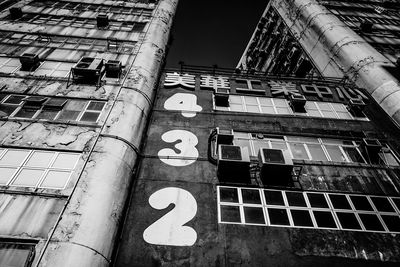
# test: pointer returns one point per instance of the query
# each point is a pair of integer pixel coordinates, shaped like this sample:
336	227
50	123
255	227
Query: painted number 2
188	153
170	230
187	103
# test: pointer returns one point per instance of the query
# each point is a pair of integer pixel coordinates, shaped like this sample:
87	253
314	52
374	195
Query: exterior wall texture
74	223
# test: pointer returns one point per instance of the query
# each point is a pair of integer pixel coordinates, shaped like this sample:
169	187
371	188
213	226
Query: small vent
15	13
113	68
29	62
297	103
102	21
221	96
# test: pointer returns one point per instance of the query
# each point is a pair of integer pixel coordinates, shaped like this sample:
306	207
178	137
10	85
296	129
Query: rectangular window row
81	22
314	149
36	168
308	209
66	42
91	7
14	253
50	108
265	105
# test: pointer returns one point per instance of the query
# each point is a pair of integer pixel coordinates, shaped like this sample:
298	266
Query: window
16	254
249	86
310	148
54	69
51	108
36	168
319	210
9	65
266	105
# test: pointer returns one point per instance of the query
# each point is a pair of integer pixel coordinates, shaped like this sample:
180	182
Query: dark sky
208	32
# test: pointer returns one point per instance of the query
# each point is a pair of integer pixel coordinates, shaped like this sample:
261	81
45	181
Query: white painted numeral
170	230
188	152
187	103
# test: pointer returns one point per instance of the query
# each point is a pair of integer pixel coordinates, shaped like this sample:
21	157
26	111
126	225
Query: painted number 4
170	230
186	103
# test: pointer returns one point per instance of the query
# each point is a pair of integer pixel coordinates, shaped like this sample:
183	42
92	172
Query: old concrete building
77	80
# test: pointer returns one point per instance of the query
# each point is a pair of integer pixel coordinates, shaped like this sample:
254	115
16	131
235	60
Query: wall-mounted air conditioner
276	166
15	12
102	21
29	62
224	137
88	67
297	102
356	107
113	68
221	97
233	164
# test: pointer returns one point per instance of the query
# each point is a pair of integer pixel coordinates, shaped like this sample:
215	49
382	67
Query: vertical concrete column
337	50
86	232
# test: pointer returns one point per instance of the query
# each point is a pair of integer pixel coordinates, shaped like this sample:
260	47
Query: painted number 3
188	153
170	230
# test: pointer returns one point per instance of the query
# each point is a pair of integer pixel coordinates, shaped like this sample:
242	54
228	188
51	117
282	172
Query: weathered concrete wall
86	233
338	51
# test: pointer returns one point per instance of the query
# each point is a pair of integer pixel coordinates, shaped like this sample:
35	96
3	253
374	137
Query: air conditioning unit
356	107
221	97
224	137
29	61
233	164
15	12
34	102
366	26
371	145
297	102
276	166
88	69
113	68
102	21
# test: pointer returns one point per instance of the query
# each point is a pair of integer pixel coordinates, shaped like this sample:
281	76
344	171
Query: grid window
299	209
53	69
306	148
50	108
36	168
16	254
267	105
9	65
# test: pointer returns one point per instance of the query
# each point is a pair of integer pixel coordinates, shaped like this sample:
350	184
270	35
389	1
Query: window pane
298	151
280	102
278	216
371	222
40	159
25	113
317	200
278	145
6	110
382	204
230	214
66	161
296	199
301	218
283	110
274	197
265	101
392	222
251	196
316	152
228	195
258	144
27	177
14	157
324	219
6	174
14	255
96	105
254	215
236	107
348	220
14	99
389	159
361	203
90	116
233	99
76	105
328	114
335	153
55	179
340	202
253	109
242	143
353	155
68	115
344	115
267	110
47	114
250	100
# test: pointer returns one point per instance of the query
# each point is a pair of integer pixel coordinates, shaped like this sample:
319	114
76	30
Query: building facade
237	171
340	39
77	83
